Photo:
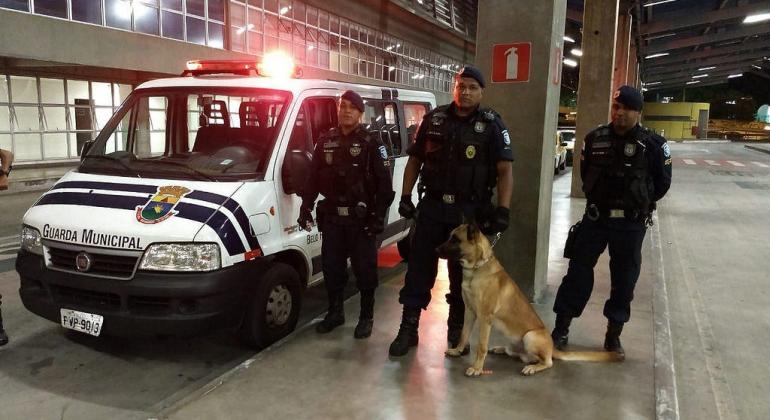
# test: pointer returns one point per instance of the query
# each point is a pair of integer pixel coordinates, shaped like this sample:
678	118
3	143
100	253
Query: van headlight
30	240
181	257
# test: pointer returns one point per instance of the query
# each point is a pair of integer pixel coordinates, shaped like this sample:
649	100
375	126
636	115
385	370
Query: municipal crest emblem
630	149
479	127
470	152
161	205
437	119
355	150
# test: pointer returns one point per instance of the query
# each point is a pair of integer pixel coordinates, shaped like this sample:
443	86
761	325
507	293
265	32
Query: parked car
560	156
567	136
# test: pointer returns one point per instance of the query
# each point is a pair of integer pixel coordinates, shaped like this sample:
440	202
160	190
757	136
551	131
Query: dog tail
588	356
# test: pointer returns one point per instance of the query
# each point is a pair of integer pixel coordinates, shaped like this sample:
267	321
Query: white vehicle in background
560	156
181	217
567	135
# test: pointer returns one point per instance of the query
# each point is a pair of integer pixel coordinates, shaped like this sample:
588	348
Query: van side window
315	117
148	131
414	113
382	119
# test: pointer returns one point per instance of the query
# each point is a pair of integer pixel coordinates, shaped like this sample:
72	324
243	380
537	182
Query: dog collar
481	263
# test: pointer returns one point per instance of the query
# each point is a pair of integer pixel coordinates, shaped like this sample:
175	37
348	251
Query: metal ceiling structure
683	43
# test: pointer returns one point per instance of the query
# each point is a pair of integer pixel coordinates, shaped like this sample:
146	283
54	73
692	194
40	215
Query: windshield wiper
114	159
188	167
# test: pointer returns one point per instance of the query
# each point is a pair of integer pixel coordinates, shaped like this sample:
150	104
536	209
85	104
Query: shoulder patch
506	138
383	152
666	150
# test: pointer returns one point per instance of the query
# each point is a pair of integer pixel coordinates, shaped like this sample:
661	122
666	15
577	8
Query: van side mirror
86	147
296	167
564	143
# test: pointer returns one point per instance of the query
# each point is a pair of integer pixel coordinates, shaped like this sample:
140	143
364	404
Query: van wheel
405	246
274	309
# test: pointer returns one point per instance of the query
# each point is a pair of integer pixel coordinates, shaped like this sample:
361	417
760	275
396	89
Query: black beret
629	97
473	73
354	99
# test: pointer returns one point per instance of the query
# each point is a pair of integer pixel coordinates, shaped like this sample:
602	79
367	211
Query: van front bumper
150	303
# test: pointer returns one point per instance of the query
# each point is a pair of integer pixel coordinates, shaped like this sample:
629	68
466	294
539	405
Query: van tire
274	308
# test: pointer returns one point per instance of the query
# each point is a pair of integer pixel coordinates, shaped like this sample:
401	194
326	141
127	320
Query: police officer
6	159
625	169
350	170
461	152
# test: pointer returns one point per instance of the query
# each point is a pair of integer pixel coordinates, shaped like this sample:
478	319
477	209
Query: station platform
335	376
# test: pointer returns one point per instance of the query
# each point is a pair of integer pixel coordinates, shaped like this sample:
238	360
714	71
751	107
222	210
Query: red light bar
272	65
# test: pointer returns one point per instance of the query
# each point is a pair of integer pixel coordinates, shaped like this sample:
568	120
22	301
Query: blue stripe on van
213	218
218	199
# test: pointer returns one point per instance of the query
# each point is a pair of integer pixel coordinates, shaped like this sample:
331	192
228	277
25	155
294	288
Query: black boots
3	335
561	331
612	338
454	325
335	317
407	333
366	318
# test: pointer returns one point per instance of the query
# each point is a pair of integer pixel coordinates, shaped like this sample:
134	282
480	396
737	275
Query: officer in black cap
461	152
625	169
350	169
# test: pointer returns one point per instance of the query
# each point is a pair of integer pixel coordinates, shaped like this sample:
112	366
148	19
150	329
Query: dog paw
474	371
453	352
528	370
498	350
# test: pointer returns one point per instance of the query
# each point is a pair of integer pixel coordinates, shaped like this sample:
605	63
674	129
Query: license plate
82	321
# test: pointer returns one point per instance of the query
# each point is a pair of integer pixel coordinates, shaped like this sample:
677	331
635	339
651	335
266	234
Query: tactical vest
344	168
617	176
457	155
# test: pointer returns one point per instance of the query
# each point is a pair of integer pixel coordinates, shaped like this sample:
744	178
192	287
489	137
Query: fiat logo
83	261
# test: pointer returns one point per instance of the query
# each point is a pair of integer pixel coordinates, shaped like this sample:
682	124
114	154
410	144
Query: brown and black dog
492	297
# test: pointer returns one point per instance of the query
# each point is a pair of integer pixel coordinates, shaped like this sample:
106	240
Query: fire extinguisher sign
510	62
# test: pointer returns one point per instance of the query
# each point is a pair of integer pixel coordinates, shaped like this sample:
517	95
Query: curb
758	149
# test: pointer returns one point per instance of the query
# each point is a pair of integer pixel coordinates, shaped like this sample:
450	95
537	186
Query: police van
182	215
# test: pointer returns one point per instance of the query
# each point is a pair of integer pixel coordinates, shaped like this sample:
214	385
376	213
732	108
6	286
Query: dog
493	298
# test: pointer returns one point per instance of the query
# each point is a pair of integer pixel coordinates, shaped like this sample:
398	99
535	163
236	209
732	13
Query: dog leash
496	238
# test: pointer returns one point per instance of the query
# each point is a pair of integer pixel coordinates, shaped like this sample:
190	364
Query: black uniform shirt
658	155
501	144
380	185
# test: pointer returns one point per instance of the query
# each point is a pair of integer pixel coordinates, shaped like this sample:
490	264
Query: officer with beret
461	152
625	169
349	168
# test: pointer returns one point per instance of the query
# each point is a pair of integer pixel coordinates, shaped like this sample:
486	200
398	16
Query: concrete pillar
633	67
621	72
595	89
530	110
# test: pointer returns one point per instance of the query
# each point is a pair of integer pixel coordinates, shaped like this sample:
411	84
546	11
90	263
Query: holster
320	218
569	244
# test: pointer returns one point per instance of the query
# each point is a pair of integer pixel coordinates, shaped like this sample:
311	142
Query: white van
181	217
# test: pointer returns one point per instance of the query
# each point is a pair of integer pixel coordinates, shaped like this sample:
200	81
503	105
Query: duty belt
343	211
448	198
616	213
593	213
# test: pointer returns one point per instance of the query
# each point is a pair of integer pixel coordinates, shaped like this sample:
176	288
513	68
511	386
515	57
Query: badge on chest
355	149
630	149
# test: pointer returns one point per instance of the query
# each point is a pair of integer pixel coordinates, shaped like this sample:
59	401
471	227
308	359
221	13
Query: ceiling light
652	83
733	76
284	10
761	17
657	2
568	39
240	31
644	89
698	76
661	36
657	55
756	67
570	62
706	68
692	82
576	52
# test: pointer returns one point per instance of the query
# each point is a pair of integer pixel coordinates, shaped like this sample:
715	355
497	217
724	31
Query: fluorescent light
657	2
692	82
733	76
761	17
576	52
391	68
652	83
706	68
644	89
569	39
698	76
284	10
245	28
570	62
657	55
756	67
661	36
310	47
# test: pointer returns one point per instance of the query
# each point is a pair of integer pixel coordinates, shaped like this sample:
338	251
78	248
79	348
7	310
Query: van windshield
196	133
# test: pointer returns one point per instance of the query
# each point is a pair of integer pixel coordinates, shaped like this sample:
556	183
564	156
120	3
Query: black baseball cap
629	97
473	73
355	99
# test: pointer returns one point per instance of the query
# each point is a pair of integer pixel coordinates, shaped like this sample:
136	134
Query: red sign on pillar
510	62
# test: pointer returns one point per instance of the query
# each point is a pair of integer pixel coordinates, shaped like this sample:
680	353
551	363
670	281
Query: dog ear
472	232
